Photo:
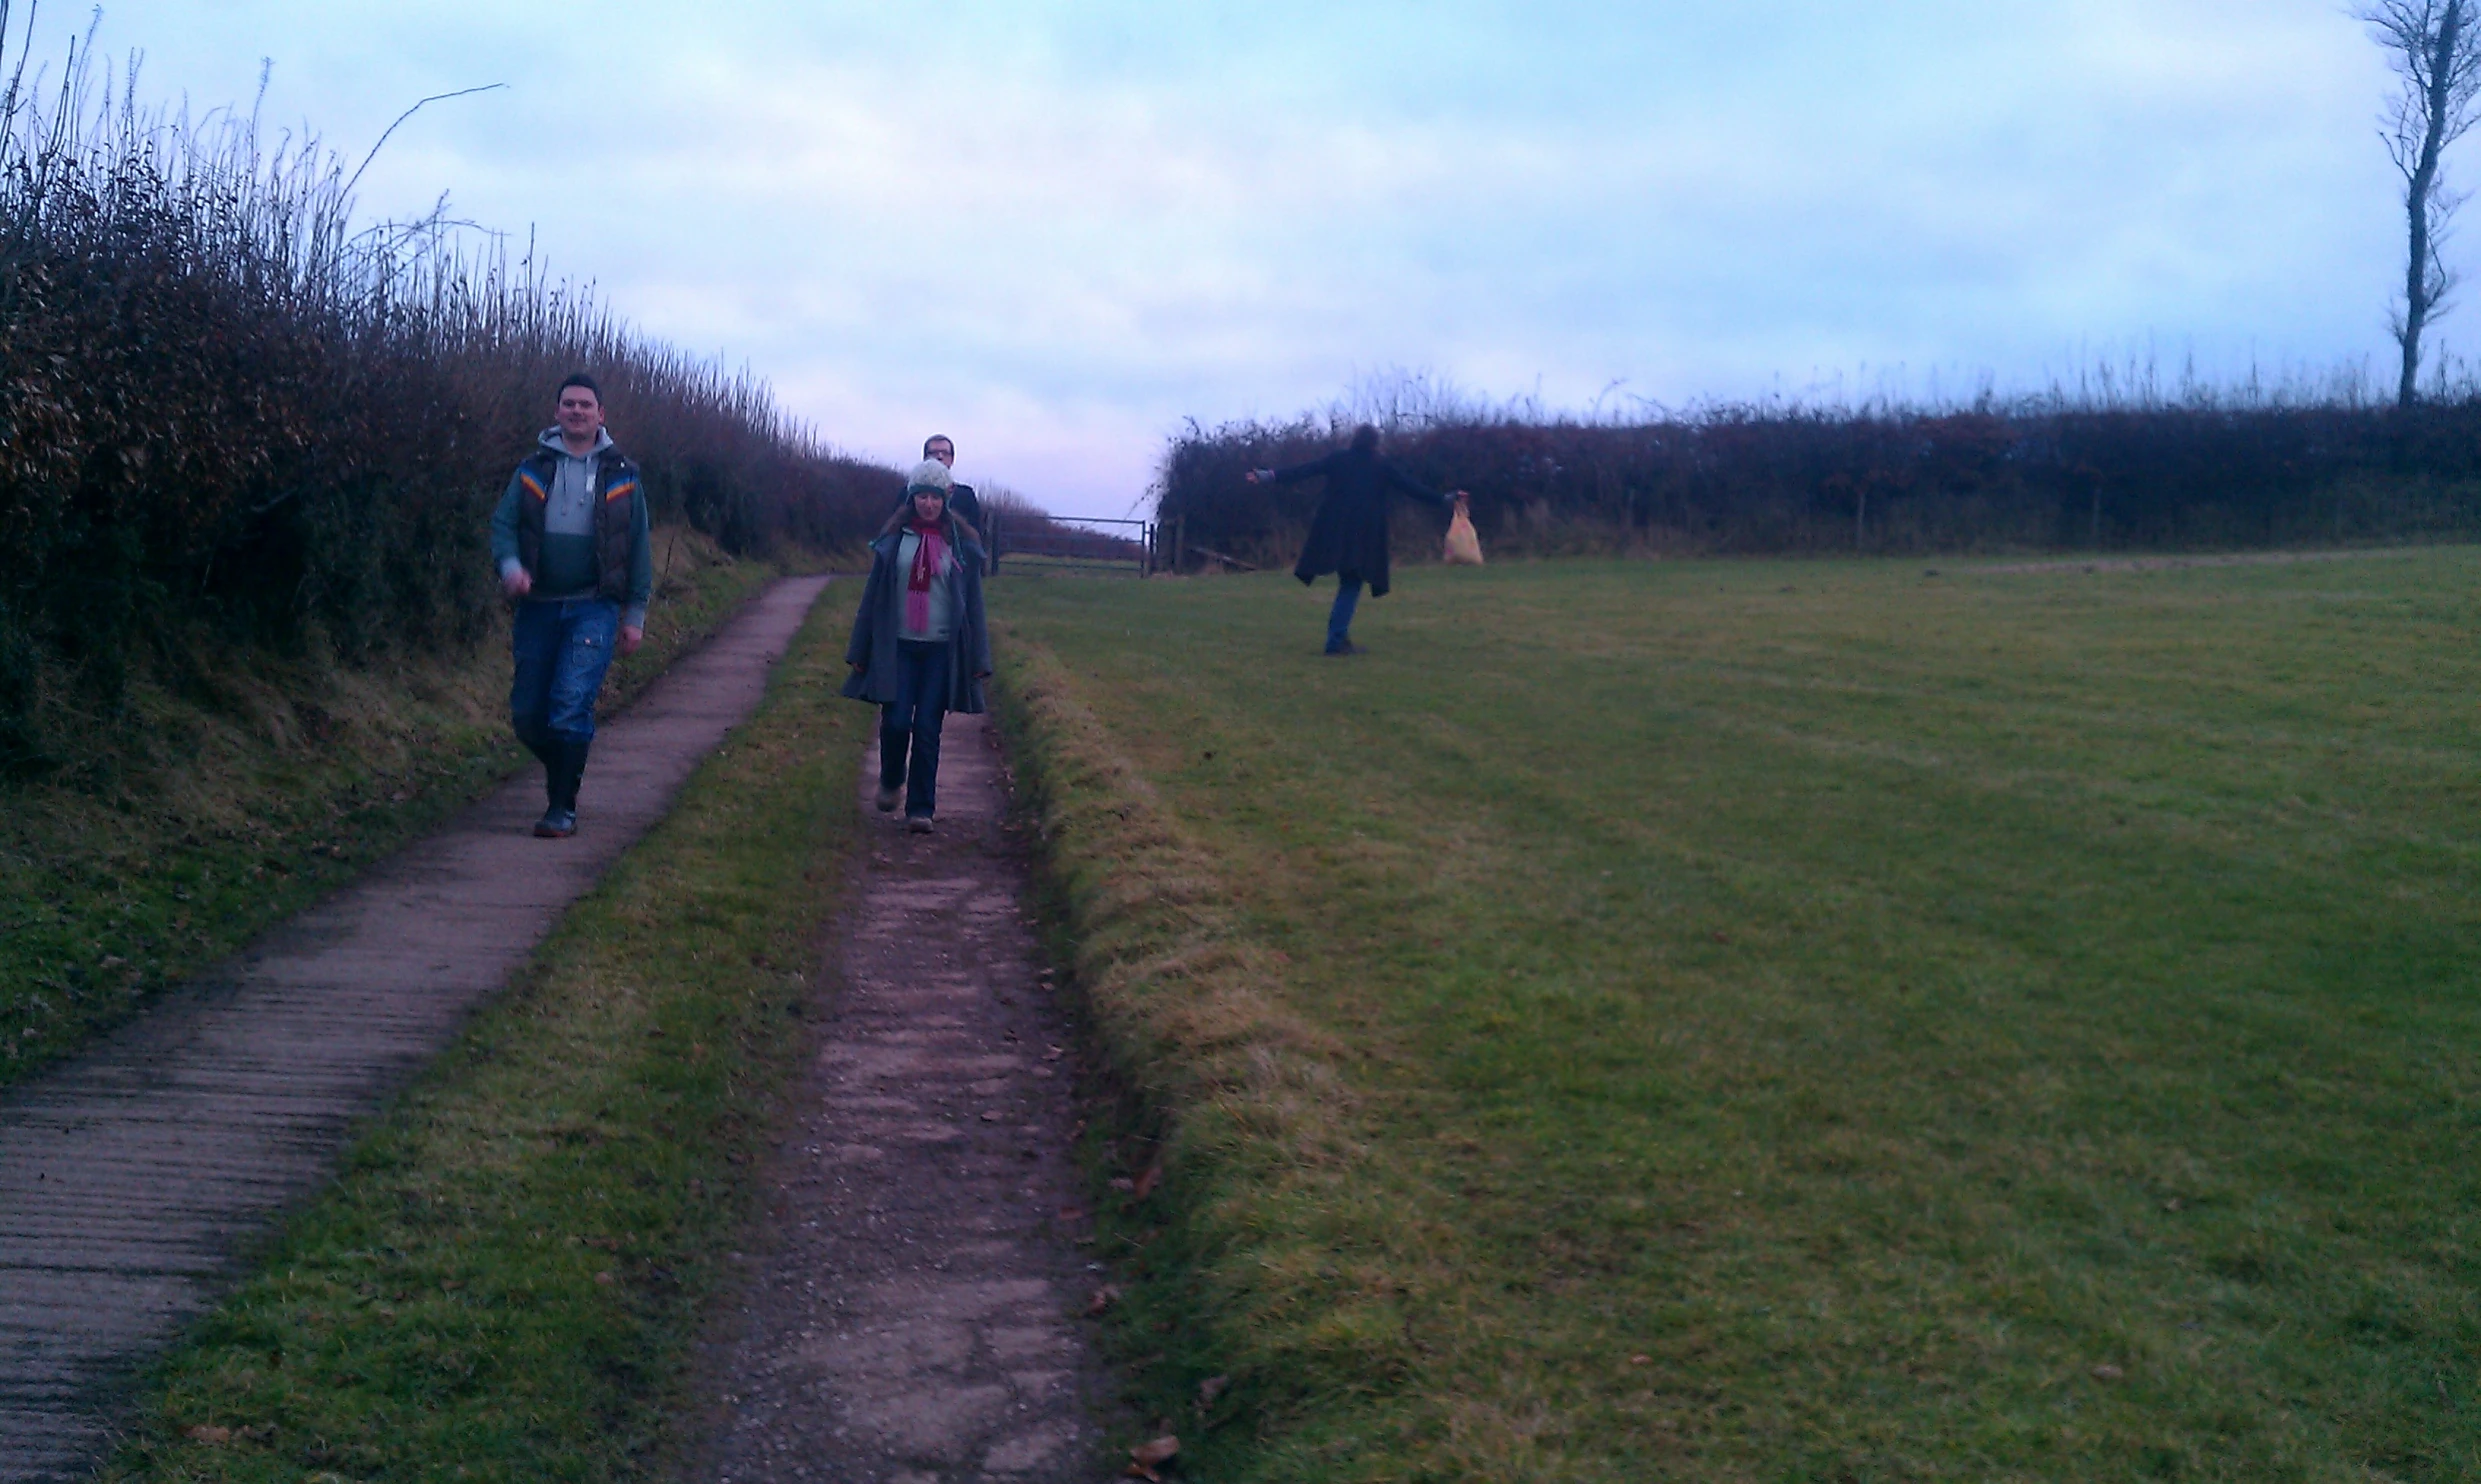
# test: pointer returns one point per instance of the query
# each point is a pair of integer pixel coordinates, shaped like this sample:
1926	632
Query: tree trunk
2420	292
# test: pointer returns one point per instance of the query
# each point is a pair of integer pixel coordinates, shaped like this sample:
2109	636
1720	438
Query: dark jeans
1339	618
911	725
562	647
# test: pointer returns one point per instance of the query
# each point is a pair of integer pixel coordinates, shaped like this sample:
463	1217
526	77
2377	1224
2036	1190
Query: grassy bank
506	1280
1786	1021
252	788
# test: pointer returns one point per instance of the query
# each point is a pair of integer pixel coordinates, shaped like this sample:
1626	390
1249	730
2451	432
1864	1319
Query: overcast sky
1057	230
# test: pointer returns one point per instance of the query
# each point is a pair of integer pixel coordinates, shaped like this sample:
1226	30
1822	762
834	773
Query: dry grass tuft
1297	1268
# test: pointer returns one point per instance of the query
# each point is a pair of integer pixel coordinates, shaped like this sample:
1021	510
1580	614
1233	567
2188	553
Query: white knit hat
929	474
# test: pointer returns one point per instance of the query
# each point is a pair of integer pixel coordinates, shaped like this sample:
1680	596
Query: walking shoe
889	793
918	823
1347	647
556	824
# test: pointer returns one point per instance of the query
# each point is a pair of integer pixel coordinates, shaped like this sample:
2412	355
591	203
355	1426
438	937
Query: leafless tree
2436	46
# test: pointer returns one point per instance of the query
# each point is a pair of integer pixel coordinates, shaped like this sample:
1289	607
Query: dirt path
910	1311
129	1177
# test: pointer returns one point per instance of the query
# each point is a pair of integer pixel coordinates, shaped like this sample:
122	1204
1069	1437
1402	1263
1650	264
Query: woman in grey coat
920	648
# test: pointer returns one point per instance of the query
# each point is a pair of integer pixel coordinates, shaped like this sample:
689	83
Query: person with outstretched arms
1348	534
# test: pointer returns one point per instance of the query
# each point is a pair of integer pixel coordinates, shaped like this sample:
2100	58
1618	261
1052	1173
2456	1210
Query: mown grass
506	1280
1788	1020
231	801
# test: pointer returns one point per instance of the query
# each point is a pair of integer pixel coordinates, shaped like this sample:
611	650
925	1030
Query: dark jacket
1348	535
623	554
967	505
875	627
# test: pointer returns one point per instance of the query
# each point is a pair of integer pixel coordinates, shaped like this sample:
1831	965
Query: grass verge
1785	1020
252	791
507	1277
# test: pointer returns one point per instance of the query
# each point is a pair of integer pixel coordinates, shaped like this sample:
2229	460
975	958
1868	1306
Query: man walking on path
570	538
1348	534
963	503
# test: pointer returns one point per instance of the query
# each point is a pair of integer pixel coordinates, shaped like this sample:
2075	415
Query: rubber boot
560	775
544	746
572	772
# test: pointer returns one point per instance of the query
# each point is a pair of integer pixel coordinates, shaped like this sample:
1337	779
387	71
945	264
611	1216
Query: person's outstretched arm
1414	487
1298	471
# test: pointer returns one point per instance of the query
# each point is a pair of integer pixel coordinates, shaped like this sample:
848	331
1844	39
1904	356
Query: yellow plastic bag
1464	548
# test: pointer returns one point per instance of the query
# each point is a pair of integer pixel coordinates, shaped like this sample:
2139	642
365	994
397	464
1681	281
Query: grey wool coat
875	627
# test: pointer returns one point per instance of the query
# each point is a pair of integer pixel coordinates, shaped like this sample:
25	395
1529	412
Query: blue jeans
562	648
1339	618
911	725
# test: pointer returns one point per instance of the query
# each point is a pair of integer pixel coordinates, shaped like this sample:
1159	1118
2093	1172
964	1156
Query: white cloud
1055	230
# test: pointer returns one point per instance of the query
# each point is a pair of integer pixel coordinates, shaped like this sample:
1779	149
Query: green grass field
1791	1020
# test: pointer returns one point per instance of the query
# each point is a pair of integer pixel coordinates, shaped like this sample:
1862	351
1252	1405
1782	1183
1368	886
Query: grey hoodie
568	533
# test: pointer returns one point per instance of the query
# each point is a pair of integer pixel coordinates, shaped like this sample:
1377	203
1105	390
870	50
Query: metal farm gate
1080	546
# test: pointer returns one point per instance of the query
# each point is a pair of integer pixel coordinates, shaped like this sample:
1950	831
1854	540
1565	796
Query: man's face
581	412
942	450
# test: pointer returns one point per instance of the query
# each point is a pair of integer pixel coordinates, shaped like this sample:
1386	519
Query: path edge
1233	1125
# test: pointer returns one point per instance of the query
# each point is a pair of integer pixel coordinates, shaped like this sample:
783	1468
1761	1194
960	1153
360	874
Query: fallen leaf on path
1147	1182
1641	1360
1145	1458
1122	1182
2107	1372
605	1278
1210	1388
990	1115
1104	1297
207	1433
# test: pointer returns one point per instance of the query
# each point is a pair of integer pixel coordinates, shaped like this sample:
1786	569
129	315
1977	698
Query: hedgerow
228	410
2195	469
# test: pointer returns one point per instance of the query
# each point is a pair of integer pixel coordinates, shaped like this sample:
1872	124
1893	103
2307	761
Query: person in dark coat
1348	535
920	648
961	496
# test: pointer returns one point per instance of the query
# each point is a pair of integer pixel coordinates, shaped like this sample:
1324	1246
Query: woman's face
928	503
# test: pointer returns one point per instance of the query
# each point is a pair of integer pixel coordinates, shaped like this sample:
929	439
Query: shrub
223	407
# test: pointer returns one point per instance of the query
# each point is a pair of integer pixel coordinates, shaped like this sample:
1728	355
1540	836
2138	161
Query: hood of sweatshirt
552	440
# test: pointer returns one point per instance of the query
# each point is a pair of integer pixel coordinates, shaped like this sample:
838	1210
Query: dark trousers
562	647
1339	618
909	728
